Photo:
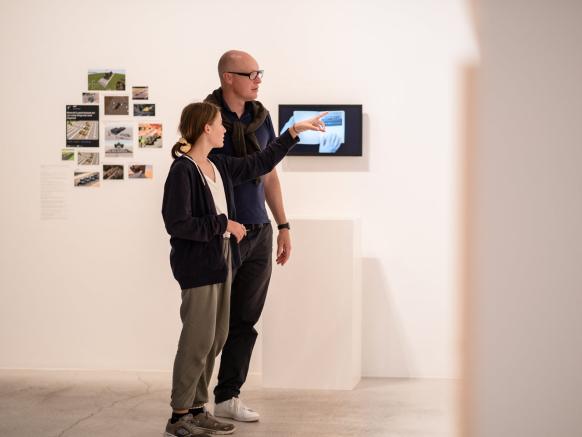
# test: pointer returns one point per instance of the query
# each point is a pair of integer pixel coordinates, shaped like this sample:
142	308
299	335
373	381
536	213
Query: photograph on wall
144	110
118	131
139	92
116	105
67	155
118	149
82	126
140	171
102	80
112	172
343	129
88	158
86	179
150	135
91	98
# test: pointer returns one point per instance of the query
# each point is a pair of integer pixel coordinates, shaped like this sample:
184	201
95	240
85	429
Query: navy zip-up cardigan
196	230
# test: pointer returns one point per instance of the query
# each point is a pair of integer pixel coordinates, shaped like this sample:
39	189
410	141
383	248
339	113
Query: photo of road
144	110
139	92
150	135
82	130
88	158
111	172
100	80
116	105
86	179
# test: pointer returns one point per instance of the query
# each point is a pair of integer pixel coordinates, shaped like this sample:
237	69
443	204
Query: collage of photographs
117	135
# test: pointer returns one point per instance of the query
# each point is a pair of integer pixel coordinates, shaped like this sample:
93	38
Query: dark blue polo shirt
249	198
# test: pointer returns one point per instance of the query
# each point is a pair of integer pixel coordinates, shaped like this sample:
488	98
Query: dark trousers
248	294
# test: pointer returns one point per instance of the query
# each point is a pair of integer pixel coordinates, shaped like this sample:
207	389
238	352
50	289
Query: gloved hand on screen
329	143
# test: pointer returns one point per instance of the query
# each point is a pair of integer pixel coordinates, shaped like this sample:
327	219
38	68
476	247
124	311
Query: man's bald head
234	60
234	69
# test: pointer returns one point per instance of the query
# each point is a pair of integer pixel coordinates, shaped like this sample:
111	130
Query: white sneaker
235	409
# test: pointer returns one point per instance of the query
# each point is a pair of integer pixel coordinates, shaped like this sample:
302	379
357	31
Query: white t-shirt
217	191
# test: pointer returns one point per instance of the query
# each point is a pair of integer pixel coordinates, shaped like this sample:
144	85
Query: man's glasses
252	75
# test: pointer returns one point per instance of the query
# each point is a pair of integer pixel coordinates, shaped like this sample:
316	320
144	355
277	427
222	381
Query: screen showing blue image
343	129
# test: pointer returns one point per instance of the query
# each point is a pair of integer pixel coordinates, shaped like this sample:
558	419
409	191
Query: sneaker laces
187	424
240	405
213	420
209	415
237	404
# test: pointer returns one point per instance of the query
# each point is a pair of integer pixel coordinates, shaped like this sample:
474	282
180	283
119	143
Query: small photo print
88	158
119	149
112	172
139	92
144	110
116	105
140	171
119	131
83	133
67	155
86	179
90	97
101	80
150	135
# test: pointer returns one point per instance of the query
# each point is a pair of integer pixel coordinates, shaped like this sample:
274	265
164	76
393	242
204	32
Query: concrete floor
101	404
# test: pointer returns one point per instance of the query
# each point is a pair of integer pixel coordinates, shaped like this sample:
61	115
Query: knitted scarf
243	136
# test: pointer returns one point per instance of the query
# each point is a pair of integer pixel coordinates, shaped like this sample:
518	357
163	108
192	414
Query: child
199	214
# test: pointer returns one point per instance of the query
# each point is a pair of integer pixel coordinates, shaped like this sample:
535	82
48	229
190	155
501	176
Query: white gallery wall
95	291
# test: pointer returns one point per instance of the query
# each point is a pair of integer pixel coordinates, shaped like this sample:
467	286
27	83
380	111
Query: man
248	129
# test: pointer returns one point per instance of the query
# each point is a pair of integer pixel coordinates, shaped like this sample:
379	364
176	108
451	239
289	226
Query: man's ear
227	77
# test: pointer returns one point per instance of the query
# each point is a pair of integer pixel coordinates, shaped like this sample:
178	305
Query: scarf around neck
243	136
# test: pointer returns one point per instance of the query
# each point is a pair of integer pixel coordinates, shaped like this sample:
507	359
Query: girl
198	211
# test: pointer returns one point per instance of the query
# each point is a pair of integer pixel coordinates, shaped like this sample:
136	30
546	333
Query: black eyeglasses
252	75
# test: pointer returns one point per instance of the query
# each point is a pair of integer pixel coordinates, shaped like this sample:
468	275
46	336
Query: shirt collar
248	111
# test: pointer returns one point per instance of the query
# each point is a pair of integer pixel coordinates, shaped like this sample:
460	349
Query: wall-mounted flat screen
343	135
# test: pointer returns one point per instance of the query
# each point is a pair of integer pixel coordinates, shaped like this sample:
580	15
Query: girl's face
216	131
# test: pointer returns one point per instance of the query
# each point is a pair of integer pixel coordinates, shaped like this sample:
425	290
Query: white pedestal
312	318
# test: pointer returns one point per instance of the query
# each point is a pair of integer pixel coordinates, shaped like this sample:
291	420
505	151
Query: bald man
248	129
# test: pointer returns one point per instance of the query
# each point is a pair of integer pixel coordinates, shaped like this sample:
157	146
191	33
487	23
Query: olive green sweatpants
205	314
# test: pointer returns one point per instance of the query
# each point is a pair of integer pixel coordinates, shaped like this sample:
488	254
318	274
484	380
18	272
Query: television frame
354	135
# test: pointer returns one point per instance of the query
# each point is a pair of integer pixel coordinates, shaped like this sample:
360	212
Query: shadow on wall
385	349
334	163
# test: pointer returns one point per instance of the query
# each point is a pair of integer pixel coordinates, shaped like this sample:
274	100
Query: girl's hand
236	229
